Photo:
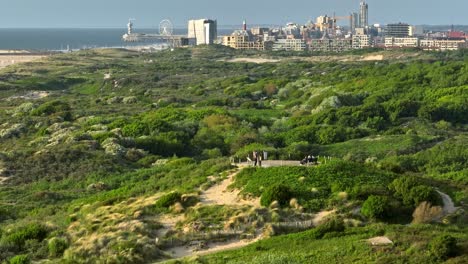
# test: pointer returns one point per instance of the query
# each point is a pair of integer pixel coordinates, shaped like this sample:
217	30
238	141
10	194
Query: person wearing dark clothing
255	158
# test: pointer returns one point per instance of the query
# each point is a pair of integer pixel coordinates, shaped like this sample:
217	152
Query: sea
54	39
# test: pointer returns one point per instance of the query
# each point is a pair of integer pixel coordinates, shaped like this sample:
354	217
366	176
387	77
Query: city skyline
114	14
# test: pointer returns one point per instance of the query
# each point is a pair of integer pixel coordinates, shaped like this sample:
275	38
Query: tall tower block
363	14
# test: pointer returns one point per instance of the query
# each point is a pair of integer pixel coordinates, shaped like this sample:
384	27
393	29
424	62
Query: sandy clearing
33	95
254	60
373	58
7	60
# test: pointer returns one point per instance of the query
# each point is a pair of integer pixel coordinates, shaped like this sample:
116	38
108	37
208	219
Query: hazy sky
115	13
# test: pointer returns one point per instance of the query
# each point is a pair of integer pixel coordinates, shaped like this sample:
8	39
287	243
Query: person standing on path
255	157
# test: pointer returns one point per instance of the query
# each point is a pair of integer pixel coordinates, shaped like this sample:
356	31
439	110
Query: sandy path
186	251
220	195
449	206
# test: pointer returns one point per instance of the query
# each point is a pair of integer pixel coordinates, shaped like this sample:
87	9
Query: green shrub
168	200
20	259
22	234
332	225
443	247
57	246
423	193
375	207
402	188
280	193
53	107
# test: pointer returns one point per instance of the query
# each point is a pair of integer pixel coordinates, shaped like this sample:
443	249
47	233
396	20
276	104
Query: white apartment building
205	31
289	45
442	45
393	42
362	41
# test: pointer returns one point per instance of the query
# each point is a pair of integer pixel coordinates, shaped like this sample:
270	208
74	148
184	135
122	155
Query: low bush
57	246
168	200
20	259
18	237
332	225
280	193
443	247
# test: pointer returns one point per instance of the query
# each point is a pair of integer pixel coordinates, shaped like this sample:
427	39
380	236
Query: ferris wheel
166	28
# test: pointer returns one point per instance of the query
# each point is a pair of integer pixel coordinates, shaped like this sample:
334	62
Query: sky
148	13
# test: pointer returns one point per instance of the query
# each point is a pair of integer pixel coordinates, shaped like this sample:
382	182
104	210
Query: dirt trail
220	195
449	206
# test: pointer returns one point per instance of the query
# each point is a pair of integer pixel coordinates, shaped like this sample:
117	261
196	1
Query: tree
375	207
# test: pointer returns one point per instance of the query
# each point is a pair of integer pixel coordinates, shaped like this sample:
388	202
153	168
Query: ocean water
60	39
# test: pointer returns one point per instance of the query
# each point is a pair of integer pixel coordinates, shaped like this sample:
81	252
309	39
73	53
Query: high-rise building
399	30
205	31
364	14
354	22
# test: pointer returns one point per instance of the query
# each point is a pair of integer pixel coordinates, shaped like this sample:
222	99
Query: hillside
116	156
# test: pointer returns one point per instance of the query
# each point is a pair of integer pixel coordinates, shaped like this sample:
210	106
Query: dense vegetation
114	128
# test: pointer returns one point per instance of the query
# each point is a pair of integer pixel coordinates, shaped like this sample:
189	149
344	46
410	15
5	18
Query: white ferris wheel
166	28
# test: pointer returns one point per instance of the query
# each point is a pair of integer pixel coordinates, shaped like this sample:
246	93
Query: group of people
257	157
310	159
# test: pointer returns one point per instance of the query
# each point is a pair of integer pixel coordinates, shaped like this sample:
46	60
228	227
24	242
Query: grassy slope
182	88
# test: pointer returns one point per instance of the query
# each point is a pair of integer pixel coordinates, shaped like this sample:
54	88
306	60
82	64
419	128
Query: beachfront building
442	44
330	45
392	42
204	31
289	45
242	40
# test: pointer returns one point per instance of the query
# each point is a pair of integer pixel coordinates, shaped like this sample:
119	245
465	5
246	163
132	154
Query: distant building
330	45
242	40
360	31
416	31
400	30
456	35
324	22
257	31
205	31
289	45
442	45
363	14
361	41
392	42
354	22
